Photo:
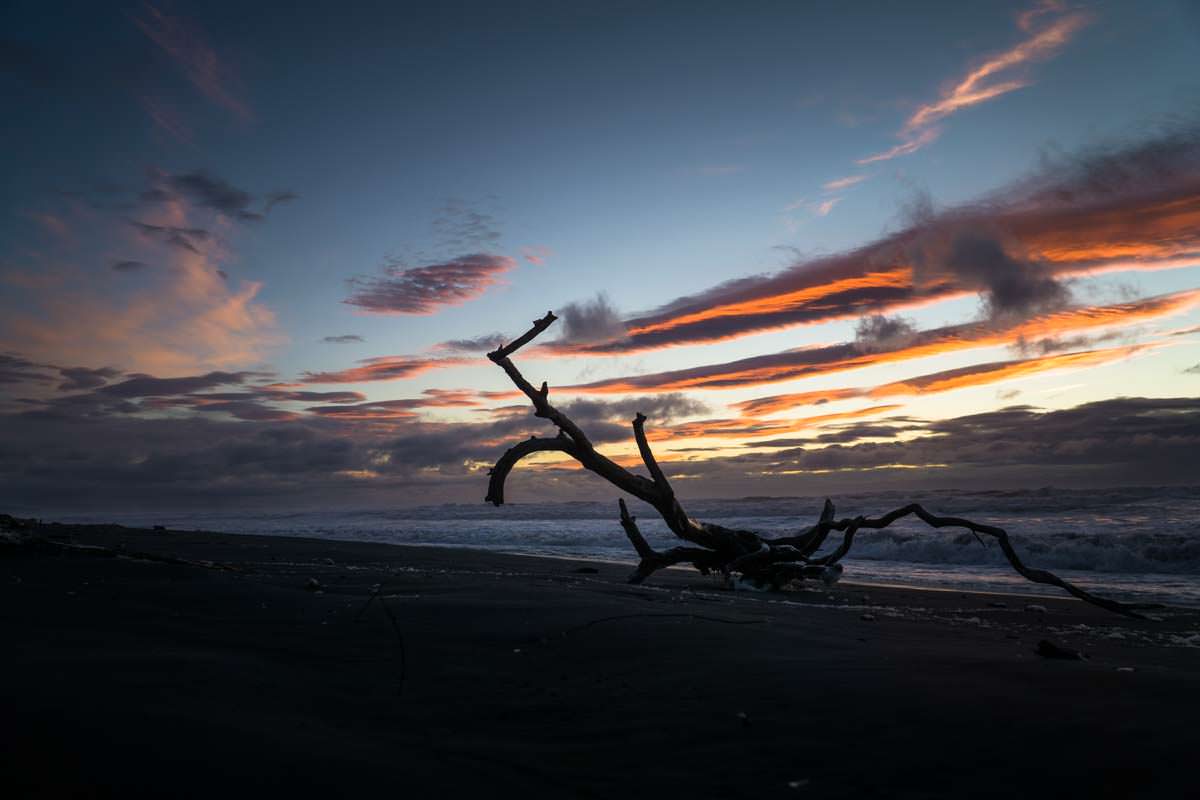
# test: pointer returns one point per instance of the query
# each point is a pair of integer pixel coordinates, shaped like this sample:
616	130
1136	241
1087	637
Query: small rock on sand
1048	649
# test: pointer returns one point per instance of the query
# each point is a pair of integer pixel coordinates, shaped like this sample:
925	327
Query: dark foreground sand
486	675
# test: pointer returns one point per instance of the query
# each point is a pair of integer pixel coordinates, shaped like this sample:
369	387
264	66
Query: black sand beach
265	666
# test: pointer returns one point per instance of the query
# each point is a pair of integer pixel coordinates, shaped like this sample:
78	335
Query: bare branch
533	444
629	523
507	350
656	473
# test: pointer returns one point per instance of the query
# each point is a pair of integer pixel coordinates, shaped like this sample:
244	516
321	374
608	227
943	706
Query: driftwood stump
714	548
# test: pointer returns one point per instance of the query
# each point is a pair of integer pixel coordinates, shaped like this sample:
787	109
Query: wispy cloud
910	145
823	208
536	254
166	118
717	170
461	226
128	265
53	224
186	44
844	183
997	75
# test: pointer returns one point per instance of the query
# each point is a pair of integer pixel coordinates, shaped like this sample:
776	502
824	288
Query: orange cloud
898	278
1136	208
824	360
944	381
911	145
750	428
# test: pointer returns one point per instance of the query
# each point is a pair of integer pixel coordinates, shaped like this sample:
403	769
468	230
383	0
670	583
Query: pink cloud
386	368
179	318
423	290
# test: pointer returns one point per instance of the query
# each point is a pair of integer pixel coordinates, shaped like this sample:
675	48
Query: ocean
1132	544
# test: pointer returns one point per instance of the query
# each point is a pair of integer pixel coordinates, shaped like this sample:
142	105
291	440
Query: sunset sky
256	257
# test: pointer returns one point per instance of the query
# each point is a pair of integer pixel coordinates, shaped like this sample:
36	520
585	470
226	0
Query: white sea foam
1142	542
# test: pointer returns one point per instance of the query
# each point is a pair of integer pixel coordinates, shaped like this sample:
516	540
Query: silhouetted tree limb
761	560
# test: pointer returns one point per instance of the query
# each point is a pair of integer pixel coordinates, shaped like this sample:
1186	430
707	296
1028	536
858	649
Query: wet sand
202	664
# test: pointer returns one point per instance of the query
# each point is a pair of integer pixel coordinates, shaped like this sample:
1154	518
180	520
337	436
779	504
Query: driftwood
714	548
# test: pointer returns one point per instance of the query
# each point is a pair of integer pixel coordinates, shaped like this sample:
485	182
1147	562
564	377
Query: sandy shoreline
273	669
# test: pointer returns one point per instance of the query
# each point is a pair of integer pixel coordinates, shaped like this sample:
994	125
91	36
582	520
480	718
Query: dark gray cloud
15	369
246	454
279	394
1010	287
183	238
658	409
141	385
591	321
877	332
1126	439
1192	370
243	409
423	290
128	265
278	198
1062	344
478	344
1105	170
460	227
98	399
345	338
82	378
206	191
202	189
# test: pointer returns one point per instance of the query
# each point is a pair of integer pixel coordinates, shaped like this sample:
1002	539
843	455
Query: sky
255	256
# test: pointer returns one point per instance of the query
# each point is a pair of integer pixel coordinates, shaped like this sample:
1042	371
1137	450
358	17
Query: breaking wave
1146	540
